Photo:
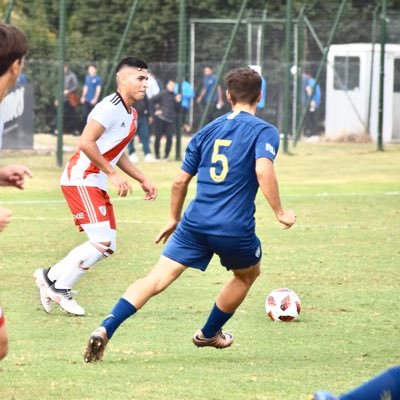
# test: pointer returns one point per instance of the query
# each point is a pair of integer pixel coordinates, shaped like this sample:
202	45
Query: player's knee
253	276
249	275
3	348
110	246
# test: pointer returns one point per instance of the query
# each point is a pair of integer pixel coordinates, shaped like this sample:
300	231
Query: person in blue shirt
187	94
90	92
309	83
209	79
385	386
22	80
232	157
263	99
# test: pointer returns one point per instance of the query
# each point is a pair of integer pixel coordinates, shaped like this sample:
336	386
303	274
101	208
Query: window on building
347	73
396	78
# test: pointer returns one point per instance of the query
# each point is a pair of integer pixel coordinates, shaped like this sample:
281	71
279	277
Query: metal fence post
286	81
60	83
382	77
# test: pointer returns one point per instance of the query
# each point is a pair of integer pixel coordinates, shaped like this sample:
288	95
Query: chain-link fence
94	29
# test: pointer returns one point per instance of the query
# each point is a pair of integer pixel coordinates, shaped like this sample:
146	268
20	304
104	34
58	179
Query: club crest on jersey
270	148
103	210
258	252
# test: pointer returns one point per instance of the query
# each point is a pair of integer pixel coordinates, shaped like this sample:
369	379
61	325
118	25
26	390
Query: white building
352	80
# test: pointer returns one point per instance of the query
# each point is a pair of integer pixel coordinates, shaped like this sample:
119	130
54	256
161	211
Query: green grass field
342	258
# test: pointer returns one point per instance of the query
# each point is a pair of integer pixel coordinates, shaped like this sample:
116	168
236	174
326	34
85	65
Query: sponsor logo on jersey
123	124
103	210
270	148
80	215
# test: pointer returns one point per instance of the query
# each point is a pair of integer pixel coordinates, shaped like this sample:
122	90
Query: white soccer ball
283	305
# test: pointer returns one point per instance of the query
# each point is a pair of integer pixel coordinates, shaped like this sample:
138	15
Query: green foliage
94	29
341	258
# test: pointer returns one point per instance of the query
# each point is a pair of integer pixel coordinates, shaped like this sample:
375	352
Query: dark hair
244	85
131	62
13	46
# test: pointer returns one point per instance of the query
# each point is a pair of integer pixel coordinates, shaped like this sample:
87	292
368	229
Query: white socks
76	263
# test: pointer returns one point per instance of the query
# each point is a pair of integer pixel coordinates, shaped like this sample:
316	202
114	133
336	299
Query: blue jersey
208	84
92	82
223	155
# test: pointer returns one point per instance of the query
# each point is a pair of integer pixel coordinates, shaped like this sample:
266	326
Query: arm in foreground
126	166
178	195
87	144
14	175
269	186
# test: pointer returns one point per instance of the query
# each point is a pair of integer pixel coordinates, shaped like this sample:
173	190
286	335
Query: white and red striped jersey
120	123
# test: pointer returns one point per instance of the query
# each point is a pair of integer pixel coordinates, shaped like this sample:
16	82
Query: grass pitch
342	258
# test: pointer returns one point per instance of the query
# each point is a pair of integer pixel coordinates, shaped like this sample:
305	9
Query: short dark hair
13	46
244	85
132	62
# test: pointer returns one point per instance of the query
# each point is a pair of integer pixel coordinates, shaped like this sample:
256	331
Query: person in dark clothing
142	108
166	108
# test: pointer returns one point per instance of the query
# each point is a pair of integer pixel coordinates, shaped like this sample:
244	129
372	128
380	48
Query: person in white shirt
111	126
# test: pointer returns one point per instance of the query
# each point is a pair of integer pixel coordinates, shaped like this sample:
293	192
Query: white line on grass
313	195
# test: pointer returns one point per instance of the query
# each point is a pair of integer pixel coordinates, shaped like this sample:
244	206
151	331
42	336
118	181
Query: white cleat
43	285
63	297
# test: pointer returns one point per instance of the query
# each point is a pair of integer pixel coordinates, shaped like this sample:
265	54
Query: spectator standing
142	108
166	106
71	102
187	95
209	79
311	121
90	92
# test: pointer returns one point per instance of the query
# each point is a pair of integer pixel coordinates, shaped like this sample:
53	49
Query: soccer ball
282	305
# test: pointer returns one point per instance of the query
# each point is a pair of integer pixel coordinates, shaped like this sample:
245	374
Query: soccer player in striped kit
111	125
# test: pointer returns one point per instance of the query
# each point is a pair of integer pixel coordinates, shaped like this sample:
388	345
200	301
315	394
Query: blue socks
383	386
121	311
215	322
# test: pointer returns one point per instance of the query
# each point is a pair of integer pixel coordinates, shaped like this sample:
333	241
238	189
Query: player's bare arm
14	175
149	189
87	144
178	195
269	186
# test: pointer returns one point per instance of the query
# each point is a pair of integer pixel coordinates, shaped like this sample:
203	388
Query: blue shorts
194	249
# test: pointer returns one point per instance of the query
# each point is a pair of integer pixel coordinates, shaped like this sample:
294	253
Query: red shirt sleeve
1	317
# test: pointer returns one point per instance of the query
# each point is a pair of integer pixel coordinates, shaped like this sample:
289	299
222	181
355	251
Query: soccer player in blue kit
385	386
232	156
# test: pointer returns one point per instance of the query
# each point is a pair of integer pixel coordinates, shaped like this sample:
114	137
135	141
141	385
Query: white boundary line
315	195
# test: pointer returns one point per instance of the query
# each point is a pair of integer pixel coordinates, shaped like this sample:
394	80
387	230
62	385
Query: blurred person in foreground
111	126
232	157
385	386
13	47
